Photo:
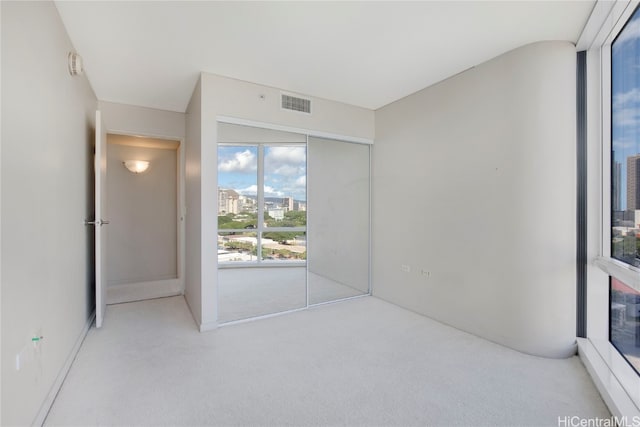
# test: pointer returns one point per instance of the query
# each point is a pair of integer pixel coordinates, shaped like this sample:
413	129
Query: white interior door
100	222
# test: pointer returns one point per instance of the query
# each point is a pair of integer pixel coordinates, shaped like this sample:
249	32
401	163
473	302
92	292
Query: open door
101	209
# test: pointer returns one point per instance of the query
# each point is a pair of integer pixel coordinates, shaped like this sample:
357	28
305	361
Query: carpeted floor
360	362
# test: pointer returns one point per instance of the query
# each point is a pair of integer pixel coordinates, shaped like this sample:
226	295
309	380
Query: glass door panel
261	222
287	246
285	203
249	292
236	247
285	186
237	203
624	321
339	216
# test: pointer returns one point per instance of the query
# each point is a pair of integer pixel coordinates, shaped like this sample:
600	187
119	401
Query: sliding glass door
339	193
279	250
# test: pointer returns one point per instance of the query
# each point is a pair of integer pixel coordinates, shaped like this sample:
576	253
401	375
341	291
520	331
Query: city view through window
262	203
625	187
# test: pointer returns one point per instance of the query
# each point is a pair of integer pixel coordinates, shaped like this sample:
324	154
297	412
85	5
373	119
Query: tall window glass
624	313
285	203
625	141
237	203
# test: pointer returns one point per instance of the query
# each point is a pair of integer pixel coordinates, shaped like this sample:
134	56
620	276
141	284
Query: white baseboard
117	294
55	388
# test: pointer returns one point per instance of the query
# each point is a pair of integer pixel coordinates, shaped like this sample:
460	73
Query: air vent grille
296	104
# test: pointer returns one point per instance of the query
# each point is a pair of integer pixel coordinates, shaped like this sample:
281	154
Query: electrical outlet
405	268
31	351
25	356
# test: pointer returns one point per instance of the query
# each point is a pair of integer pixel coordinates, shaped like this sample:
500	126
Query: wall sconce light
75	64
136	166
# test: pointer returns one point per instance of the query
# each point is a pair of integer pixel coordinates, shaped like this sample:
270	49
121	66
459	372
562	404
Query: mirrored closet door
339	219
293	221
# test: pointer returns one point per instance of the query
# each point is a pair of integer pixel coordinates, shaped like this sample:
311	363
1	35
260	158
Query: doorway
144	245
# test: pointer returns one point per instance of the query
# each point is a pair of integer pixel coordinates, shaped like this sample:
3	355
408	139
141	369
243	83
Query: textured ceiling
368	54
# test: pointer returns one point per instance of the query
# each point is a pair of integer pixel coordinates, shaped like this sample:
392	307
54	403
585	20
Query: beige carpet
360	362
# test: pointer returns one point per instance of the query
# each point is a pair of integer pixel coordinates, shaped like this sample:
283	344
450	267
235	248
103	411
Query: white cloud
272	192
242	161
288	154
252	190
624	99
285	171
287	161
288	170
624	143
295	186
626	117
625	110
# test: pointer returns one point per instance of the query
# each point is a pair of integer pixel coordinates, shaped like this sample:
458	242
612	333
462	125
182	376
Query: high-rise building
227	201
616	190
247	204
287	203
633	182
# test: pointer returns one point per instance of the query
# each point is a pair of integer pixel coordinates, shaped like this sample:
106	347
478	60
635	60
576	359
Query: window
262	203
624	322
624	311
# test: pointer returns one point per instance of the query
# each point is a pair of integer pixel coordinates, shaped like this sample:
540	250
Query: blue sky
285	170
625	96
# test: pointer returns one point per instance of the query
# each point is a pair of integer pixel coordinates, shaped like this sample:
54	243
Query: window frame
616	380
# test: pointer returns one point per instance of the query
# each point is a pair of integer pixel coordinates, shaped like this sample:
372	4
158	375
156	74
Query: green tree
236	245
232	225
299	218
224	219
280	236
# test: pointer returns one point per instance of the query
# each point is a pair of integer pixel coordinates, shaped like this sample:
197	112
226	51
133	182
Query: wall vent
294	103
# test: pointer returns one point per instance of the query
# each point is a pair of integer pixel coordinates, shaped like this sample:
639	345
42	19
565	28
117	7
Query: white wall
133	120
230	134
220	96
475	178
142	210
46	175
193	190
